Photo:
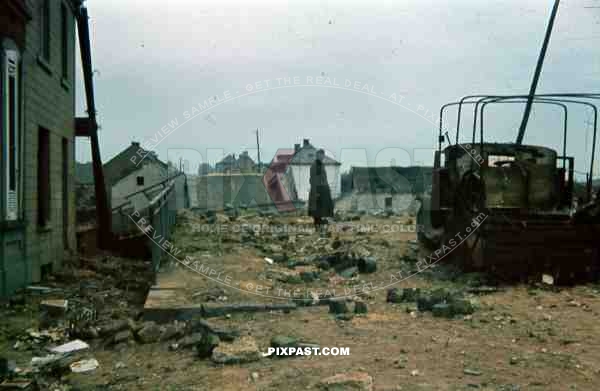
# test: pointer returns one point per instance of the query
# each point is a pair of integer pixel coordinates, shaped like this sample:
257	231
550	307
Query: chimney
306	143
296	147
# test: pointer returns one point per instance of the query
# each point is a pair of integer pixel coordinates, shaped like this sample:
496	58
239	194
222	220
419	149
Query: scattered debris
283	341
360	307
359	381
191	340
122	336
223	333
109	329
70	347
40	290
84	365
172	331
367	264
396	295
547	279
214	309
207	345
482	290
55	307
338	306
17	384
472	372
149	333
242	350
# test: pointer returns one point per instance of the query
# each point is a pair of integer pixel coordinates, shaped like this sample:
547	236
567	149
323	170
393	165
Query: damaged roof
121	165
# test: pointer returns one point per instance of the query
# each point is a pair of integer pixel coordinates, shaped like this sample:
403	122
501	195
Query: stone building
37	130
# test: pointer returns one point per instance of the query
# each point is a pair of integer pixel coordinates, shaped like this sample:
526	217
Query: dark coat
320	203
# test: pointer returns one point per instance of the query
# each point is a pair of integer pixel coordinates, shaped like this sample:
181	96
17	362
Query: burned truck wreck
520	198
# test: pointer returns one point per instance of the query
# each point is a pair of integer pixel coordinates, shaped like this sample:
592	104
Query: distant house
230	163
125	177
132	182
245	162
279	181
304	157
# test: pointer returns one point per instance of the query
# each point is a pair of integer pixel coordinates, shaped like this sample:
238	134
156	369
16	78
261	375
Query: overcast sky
157	60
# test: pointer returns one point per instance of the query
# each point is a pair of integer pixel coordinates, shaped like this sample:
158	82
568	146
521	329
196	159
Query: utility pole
536	75
103	213
258	148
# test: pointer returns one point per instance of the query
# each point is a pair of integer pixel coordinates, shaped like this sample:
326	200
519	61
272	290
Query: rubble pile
440	302
90	299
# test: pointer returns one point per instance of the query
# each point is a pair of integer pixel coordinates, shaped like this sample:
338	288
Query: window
64	37
9	99
45	30
43	177
140	181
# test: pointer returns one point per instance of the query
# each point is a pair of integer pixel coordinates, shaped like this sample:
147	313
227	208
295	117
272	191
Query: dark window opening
64	41
140	181
45	30
43	177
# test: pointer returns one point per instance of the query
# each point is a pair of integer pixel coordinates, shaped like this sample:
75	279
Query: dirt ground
521	337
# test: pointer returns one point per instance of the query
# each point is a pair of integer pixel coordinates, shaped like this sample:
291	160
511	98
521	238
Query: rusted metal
527	199
559	97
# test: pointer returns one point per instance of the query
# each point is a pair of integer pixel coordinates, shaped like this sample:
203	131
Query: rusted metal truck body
510	209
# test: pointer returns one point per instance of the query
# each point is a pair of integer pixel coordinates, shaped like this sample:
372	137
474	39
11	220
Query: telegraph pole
258	148
536	75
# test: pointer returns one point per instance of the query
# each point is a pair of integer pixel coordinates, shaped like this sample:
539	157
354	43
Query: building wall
214	191
301	174
375	201
48	101
413	179
152	172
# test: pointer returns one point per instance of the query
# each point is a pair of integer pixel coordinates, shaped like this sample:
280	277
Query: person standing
320	204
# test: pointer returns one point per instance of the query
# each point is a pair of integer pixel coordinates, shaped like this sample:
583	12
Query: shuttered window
10	133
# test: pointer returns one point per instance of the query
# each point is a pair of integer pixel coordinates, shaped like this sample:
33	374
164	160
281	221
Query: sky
362	79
